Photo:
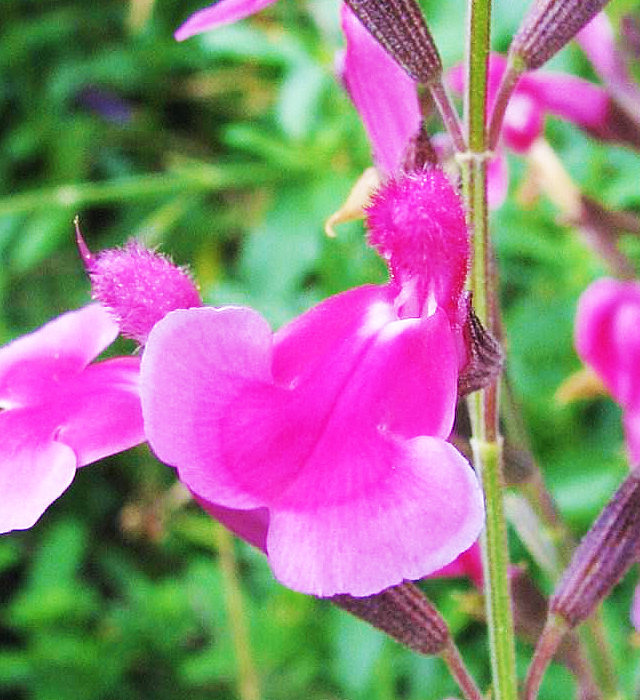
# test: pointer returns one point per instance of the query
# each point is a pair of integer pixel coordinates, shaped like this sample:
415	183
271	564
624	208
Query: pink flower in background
466	565
607	336
608	340
218	14
598	43
59	412
325	443
537	93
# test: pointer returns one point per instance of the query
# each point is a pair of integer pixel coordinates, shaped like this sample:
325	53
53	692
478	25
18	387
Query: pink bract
59	411
330	433
608	339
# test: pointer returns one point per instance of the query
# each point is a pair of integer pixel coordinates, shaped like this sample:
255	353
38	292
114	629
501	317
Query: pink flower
608	339
325	443
59	411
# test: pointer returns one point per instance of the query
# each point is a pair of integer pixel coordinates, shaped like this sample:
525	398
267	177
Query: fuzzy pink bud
139	286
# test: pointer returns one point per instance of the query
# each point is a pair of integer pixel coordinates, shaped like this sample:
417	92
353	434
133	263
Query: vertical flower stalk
483	405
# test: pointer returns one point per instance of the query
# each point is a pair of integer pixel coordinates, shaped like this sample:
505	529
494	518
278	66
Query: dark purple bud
404	613
107	104
602	557
548	26
400	28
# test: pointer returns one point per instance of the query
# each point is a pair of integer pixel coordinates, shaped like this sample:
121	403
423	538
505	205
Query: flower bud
404	613
548	26
400	28
139	286
602	557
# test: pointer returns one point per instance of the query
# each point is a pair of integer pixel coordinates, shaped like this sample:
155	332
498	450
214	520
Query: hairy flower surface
138	286
59	412
330	433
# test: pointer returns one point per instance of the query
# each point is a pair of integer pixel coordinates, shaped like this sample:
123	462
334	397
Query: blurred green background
229	151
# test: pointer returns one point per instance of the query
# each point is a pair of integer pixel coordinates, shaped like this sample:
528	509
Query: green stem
248	685
483	406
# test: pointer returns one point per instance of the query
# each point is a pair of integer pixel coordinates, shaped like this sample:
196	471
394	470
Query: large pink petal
293	445
34	469
322	441
195	362
384	95
416	517
303	345
33	365
608	336
222	12
101	410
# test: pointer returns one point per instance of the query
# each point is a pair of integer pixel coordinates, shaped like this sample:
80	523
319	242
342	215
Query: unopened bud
404	613
139	286
400	28
602	557
548	26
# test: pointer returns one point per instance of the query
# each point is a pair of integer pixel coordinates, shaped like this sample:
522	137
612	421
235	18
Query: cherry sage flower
608	340
325	443
60	411
607	337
